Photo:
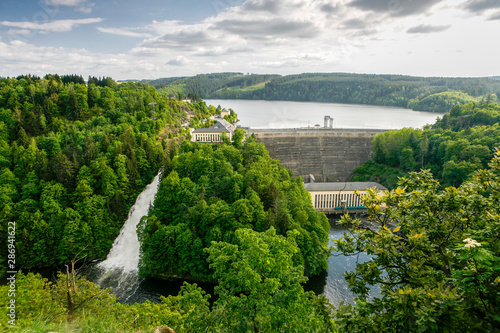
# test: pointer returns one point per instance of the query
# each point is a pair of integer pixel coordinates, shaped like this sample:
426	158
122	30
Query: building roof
343	186
211	130
221	126
222	123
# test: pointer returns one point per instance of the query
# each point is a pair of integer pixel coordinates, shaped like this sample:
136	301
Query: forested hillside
204	85
208	192
73	158
462	141
417	93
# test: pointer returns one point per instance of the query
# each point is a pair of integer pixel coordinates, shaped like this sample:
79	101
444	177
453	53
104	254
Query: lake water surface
284	114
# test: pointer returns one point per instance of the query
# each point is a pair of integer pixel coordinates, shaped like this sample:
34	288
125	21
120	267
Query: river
283	114
130	289
332	283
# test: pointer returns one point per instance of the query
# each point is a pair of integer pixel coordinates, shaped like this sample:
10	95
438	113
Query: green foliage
213	190
204	84
42	306
470	115
260	289
435	254
453	148
73	158
374	172
260	286
397	148
442	101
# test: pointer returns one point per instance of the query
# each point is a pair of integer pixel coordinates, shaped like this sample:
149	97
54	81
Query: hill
461	142
435	94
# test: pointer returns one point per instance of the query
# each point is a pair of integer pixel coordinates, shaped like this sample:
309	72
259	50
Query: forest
73	158
418	93
461	142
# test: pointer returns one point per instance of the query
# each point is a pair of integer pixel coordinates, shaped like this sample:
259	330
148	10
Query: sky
130	39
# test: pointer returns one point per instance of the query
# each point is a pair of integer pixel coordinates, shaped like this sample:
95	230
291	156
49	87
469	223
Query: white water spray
120	269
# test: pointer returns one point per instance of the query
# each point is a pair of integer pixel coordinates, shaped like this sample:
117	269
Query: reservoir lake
283	114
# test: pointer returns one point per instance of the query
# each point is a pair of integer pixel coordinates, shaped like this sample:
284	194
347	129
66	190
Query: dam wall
330	155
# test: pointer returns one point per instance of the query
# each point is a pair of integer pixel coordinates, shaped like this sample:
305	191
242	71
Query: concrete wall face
329	155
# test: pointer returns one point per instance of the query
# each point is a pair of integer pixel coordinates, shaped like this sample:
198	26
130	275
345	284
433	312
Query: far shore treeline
436	94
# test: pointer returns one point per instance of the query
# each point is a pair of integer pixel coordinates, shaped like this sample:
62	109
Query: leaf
397	229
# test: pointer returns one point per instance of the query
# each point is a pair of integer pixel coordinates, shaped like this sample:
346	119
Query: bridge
339	197
329	155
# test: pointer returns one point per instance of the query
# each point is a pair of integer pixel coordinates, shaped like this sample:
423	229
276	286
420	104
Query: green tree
238	137
260	287
454	173
76	236
435	255
407	161
424	149
226	188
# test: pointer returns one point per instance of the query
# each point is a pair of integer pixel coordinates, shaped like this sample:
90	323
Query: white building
335	197
214	133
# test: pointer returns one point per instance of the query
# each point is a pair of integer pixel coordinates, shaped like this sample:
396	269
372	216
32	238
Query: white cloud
18	57
82	5
54	26
280	36
69	3
395	7
178	61
23	32
124	32
425	29
86	9
262	34
480	6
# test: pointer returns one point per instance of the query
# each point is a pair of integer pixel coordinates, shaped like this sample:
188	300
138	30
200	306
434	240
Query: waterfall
120	269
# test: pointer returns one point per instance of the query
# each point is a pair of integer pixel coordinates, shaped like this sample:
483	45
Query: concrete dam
330	155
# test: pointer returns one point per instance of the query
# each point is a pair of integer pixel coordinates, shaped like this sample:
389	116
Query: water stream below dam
120	269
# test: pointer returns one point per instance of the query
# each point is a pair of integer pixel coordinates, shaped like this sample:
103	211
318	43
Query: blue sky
128	39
